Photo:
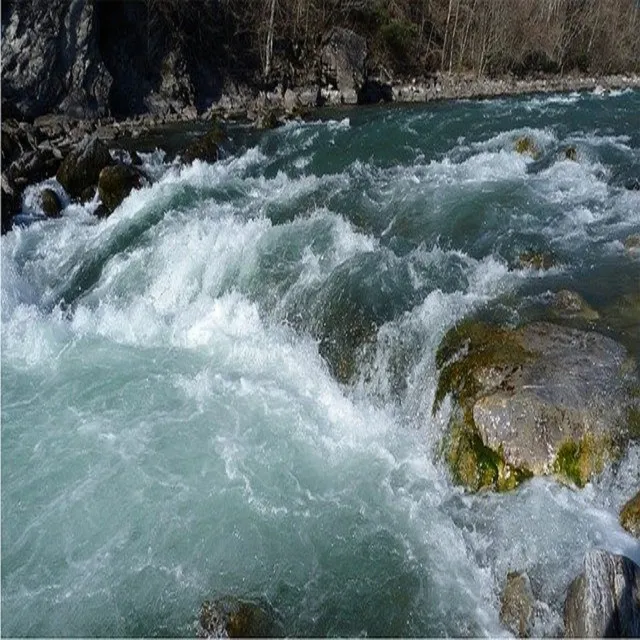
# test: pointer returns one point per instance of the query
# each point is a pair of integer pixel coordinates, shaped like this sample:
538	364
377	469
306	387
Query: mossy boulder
81	168
630	516
570	305
570	153
517	605
205	147
540	260
527	146
50	202
230	617
537	400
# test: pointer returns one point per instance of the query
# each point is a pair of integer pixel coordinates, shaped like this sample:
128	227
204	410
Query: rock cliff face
50	59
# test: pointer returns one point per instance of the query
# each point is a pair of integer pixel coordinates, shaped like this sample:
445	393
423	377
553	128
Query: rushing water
172	425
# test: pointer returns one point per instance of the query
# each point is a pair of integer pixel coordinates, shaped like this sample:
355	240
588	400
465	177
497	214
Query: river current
175	426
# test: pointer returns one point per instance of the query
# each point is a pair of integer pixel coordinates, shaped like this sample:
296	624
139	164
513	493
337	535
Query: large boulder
343	59
50	202
51	59
537	400
230	617
205	147
604	600
116	182
81	168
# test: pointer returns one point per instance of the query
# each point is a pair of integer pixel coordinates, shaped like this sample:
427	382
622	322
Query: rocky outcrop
604	600
233	618
630	516
116	182
50	59
80	170
570	305
542	399
204	147
517	605
343	59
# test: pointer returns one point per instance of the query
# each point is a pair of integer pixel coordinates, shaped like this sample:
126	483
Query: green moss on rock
467	352
578	461
526	145
630	516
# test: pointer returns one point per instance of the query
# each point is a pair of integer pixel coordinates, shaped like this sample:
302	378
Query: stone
231	617
205	147
527	146
50	202
604	600
570	153
630	516
536	260
538	400
632	243
343	60
42	71
517	605
10	204
116	182
82	166
571	305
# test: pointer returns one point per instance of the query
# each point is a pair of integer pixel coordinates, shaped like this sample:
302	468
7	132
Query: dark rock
527	146
136	159
604	600
10	204
570	153
233	618
630	516
205	147
517	609
343	57
51	205
82	166
42	70
538	400
101	211
632	184
267	119
116	182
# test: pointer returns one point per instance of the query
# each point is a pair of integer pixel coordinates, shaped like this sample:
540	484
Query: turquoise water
226	387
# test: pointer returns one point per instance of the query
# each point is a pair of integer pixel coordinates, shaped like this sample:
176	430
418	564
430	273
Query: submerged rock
116	182
51	205
630	516
538	400
604	600
205	147
81	168
234	618
517	605
571	305
570	153
536	260
527	146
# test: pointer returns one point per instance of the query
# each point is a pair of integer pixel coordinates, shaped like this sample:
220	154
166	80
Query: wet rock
205	147
233	618
604	600
623	316
630	516
517	605
572	306
101	211
267	119
632	184
538	400
570	153
116	182
10	204
527	146
536	260
632	243
50	202
82	166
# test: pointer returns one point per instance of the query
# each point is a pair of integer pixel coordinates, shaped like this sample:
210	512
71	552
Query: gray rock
81	168
538	400
50	59
604	600
572	306
518	603
343	58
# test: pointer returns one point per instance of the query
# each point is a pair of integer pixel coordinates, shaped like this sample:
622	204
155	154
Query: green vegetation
579	461
526	146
